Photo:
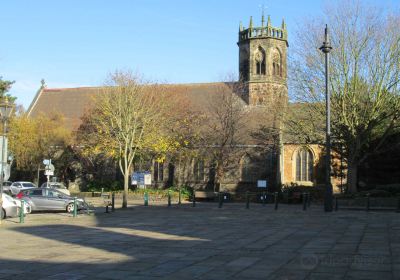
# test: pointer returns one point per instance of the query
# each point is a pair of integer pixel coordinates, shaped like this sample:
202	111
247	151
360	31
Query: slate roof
73	102
70	102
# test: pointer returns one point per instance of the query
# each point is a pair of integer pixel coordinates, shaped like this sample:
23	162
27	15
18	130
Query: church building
263	71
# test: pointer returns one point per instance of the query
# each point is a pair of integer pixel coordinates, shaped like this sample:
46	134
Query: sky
73	43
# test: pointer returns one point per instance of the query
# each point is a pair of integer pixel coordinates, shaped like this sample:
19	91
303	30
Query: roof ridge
67	88
166	84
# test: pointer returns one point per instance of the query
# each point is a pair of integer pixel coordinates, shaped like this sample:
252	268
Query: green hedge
116	186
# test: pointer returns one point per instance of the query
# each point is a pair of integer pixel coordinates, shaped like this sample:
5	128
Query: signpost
263	184
49	169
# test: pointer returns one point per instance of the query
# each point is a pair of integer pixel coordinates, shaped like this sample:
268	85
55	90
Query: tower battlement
263	62
267	31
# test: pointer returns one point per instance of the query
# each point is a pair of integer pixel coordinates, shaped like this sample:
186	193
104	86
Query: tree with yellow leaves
33	139
128	118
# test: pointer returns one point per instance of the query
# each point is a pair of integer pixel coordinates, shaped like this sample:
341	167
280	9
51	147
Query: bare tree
225	122
364	81
127	118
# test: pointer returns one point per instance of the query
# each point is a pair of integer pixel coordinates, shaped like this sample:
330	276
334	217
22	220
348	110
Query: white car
17	187
11	207
6	187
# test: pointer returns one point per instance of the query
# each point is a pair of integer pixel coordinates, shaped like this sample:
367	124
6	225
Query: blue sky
77	43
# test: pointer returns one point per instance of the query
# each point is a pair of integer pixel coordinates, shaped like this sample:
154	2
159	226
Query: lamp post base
328	201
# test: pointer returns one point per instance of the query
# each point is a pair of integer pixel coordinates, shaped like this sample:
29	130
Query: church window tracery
198	170
304	165
158	170
277	64
260	61
247	169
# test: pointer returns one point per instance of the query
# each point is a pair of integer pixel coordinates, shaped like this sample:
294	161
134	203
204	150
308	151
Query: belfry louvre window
304	165
260	61
277	64
198	170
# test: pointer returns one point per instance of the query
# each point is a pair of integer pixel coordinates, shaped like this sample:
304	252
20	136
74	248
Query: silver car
17	187
44	199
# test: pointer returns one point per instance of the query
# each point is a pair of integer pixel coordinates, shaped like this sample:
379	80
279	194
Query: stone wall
289	165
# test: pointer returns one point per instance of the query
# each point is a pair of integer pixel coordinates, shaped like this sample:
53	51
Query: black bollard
264	198
194	198
146	199
169	199
220	200
304	201
113	202
107	208
368	202
276	200
247	200
336	203
398	203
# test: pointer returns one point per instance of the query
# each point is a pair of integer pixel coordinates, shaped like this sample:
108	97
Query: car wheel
3	214
70	208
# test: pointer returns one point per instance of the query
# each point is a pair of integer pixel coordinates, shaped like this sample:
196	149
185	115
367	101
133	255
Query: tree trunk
352	170
126	186
219	173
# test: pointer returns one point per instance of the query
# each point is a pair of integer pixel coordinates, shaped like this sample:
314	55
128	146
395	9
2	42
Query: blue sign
138	178
262	184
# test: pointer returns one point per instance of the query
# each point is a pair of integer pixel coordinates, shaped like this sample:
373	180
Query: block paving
203	242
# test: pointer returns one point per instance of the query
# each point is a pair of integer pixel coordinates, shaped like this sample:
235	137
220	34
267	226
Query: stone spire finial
240	26
283	24
262	19
251	22
269	21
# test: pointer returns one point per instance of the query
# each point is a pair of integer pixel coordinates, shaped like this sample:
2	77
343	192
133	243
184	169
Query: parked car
11	207
6	187
17	187
42	199
56	185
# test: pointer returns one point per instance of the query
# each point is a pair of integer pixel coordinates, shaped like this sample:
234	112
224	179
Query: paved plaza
182	242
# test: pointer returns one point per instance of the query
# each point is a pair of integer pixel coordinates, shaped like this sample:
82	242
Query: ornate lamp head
6	109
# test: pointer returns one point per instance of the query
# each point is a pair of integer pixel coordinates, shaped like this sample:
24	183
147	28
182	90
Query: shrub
106	185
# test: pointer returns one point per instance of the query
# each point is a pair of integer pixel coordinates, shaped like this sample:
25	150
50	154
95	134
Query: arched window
198	170
260	61
247	170
277	64
304	165
158	170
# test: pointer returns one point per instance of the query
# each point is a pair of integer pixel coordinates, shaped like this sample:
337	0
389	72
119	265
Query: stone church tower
263	62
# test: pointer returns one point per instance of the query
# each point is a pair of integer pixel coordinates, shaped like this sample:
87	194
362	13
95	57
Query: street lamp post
326	48
5	112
